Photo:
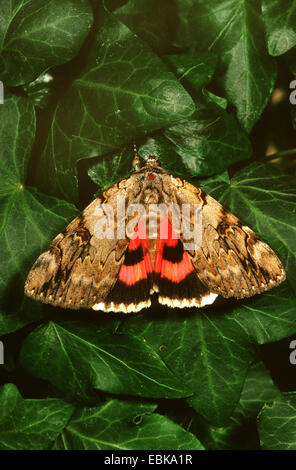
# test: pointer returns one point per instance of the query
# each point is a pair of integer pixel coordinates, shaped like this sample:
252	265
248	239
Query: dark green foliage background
197	83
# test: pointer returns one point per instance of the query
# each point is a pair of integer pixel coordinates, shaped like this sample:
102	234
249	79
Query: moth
107	259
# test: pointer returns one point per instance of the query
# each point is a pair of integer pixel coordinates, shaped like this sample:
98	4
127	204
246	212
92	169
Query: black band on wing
189	288
122	293
174	254
133	257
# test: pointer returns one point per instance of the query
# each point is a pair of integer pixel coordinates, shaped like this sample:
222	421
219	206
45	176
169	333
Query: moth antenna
136	160
202	129
152	160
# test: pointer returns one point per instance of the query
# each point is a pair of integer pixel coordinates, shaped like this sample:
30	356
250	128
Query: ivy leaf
39	90
123	91
194	69
120	425
29	218
270	317
279	17
165	154
111	169
210	351
240	431
203	145
208	142
277	423
258	389
151	20
30	424
38	35
219	100
247	73
78	358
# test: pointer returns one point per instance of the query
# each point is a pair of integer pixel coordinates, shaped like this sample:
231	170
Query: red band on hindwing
137	263
173	276
172	262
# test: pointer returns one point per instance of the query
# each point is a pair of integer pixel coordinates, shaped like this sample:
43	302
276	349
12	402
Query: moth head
150	169
151	162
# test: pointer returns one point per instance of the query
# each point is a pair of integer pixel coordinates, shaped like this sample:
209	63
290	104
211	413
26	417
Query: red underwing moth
152	233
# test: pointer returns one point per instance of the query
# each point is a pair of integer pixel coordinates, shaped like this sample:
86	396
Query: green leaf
78	358
163	151
123	91
28	219
208	142
194	70
37	35
110	170
219	100
189	148
234	31
240	431
39	90
280	18
269	317
258	389
203	145
264	199
27	424
120	425
138	427
210	351
151	20
277	423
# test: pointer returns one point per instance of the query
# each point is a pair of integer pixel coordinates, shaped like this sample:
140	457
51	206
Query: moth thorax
150	197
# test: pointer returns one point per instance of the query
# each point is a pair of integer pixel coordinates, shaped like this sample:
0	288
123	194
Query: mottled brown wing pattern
82	269
78	269
231	261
